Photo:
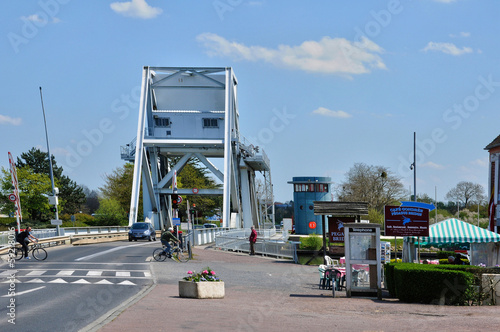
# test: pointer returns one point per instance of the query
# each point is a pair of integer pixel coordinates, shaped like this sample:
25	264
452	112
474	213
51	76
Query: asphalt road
73	286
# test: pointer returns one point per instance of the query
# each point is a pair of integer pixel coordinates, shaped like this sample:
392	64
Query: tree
118	186
375	185
466	193
110	213
33	189
71	195
193	175
91	200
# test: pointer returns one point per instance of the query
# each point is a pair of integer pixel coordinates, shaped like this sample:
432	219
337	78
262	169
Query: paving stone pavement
265	294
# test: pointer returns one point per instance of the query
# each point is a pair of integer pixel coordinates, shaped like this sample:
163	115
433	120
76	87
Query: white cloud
481	162
329	55
334	114
447	48
136	8
39	20
432	165
461	35
8	120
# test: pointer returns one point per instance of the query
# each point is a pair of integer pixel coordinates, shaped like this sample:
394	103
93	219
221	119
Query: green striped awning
457	231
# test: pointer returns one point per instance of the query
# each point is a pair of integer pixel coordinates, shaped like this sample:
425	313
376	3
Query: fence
224	238
237	240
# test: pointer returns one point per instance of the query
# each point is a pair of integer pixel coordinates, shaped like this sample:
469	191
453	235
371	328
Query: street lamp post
54	194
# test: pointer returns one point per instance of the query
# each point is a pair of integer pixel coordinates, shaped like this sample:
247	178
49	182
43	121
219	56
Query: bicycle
177	253
36	250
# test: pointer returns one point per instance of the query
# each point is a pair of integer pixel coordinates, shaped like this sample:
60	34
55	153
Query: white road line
25	292
122	274
108	251
94	273
36	273
64	273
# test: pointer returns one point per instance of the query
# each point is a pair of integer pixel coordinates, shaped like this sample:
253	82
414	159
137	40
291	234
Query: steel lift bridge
193	113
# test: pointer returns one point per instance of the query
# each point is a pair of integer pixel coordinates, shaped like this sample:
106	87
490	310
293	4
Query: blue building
306	190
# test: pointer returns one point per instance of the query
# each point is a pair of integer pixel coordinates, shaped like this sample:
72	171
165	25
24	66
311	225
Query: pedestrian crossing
75	276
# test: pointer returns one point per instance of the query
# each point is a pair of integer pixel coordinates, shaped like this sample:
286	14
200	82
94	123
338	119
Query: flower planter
201	290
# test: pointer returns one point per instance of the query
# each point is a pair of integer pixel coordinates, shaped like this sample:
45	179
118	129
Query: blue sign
421	205
176	221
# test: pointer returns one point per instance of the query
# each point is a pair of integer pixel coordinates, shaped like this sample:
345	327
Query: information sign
406	221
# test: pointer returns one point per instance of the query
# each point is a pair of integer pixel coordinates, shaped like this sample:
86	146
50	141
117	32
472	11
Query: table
336	272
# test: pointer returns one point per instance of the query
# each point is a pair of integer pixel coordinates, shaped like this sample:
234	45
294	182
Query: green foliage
311	242
110	213
375	217
71	196
389	278
193	175
420	283
33	188
81	220
118	186
207	275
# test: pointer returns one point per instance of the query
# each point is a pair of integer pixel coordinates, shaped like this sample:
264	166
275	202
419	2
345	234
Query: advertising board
406	221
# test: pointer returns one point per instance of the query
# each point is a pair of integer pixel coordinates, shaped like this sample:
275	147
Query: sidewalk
263	294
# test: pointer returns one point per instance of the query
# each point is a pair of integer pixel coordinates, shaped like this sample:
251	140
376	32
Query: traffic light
175	201
53	209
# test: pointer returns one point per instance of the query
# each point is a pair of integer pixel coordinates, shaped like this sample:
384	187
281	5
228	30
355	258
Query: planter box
201	290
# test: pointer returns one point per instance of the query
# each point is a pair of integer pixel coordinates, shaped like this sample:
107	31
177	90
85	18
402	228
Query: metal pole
50	160
414	166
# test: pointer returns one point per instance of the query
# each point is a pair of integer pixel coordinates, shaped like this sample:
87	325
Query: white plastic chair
329	260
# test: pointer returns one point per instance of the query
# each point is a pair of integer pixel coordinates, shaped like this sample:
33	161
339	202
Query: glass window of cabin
210	123
162	122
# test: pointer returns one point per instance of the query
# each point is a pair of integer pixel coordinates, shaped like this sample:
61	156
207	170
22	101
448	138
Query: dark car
142	230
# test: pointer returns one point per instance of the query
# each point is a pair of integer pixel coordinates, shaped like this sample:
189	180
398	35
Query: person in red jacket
252	239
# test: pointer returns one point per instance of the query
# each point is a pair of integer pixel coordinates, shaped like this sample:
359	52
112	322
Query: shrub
311	242
433	284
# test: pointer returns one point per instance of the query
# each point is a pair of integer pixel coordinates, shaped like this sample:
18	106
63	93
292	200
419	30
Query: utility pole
55	192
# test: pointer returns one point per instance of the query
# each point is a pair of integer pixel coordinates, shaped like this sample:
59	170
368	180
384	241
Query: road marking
26	291
104	282
126	282
8	273
64	273
58	281
94	273
81	281
109	250
36	273
122	274
37	280
11	281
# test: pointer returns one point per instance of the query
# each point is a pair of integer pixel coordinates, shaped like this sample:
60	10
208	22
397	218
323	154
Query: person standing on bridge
166	237
252	239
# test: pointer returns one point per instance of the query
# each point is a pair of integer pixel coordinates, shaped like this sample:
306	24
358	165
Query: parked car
142	230
210	225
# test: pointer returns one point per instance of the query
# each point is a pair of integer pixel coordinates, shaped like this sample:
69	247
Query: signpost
406	221
336	228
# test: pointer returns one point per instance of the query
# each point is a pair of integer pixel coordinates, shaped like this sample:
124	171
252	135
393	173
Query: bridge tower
192	112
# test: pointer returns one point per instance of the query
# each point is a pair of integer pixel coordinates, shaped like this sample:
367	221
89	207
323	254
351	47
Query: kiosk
363	266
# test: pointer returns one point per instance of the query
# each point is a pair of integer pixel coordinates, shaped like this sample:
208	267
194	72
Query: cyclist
166	237
24	238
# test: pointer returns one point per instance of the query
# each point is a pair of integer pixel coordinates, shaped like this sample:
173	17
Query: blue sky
322	85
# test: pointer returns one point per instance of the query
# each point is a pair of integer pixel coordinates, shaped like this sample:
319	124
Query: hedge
423	283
